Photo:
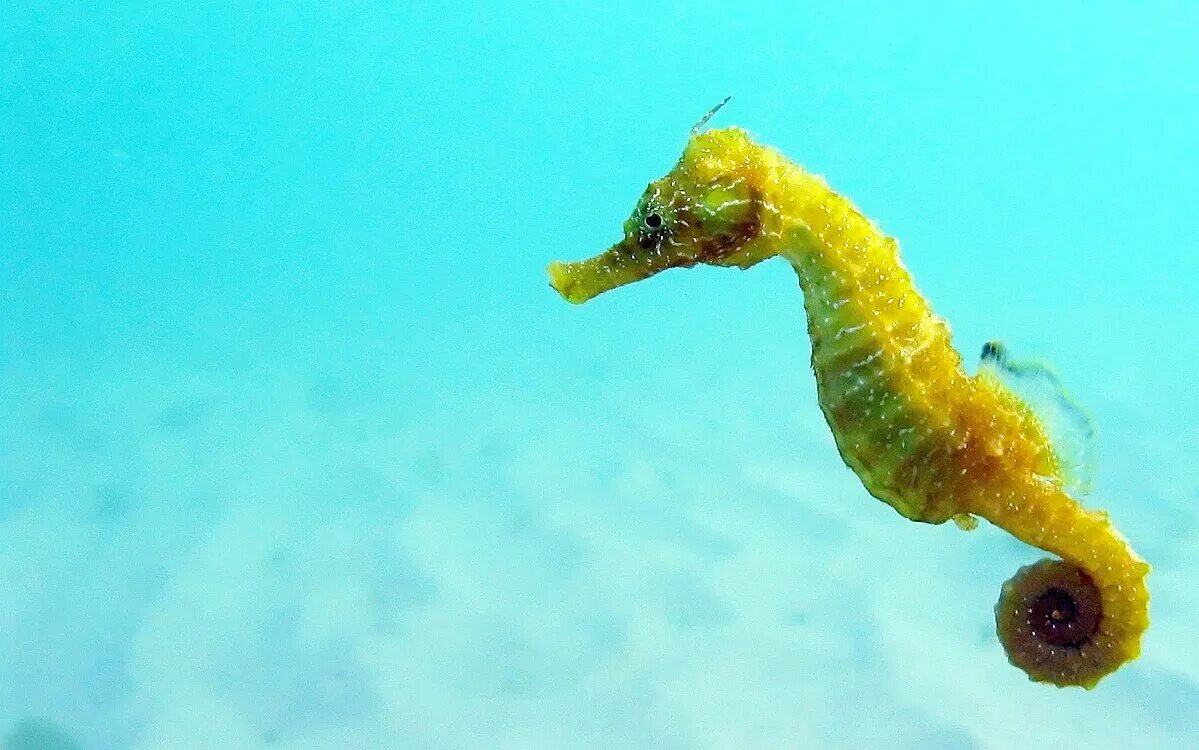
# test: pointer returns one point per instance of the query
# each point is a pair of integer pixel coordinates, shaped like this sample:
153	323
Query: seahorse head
708	209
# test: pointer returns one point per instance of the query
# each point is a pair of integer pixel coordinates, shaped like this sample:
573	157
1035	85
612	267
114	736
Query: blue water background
298	449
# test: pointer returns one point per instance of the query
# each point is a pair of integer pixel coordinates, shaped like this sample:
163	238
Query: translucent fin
1068	426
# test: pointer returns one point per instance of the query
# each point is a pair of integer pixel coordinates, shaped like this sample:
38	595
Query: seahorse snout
621	264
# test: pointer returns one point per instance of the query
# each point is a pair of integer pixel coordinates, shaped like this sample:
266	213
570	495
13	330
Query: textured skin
924	436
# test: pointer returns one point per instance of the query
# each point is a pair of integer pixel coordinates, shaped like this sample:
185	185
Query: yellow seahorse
923	435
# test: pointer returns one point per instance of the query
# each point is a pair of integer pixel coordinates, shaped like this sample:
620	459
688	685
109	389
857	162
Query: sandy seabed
273	558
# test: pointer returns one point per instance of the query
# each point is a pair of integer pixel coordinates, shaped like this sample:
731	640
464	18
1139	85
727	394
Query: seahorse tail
1072	621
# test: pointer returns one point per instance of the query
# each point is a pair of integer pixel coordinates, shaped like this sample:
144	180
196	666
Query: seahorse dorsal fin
1066	424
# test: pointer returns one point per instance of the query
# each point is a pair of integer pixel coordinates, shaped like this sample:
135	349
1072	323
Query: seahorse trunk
884	365
936	443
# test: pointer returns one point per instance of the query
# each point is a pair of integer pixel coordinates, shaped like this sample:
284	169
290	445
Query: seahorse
923	435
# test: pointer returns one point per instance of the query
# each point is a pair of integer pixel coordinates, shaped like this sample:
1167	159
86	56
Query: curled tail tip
1052	622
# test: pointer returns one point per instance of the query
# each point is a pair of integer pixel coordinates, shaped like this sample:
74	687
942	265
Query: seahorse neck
850	272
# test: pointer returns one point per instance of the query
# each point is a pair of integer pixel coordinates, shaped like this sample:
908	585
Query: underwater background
299	450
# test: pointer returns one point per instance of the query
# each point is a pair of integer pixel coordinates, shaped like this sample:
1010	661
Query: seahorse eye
654	227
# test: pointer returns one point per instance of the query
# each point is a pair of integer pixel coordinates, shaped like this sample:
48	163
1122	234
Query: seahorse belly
883	361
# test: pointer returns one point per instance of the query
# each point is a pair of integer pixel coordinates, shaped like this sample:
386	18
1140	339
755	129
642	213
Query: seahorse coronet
921	434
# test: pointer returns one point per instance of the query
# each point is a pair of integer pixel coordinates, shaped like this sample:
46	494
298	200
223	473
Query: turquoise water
298	450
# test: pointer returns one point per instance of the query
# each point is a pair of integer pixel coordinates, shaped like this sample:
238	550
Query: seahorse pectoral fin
1066	425
623	263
